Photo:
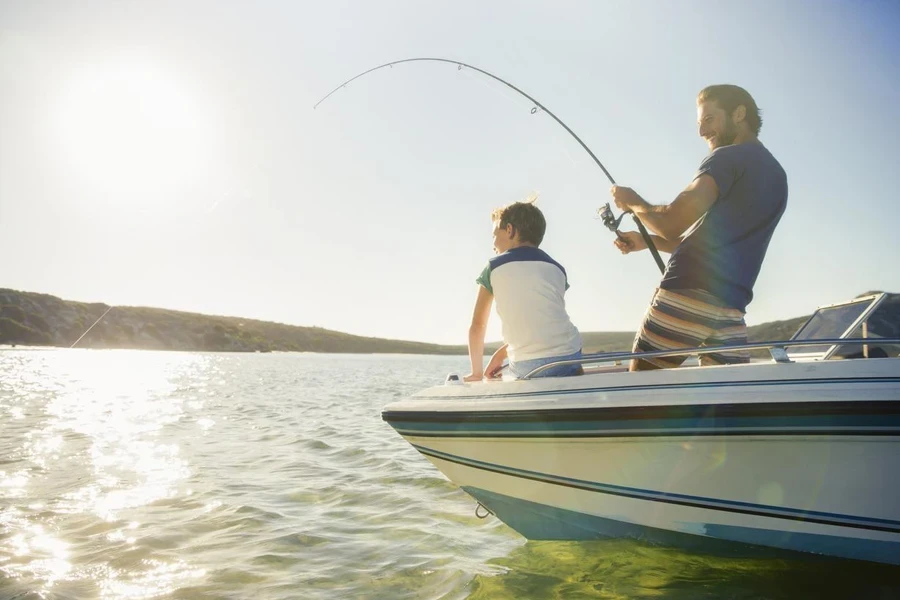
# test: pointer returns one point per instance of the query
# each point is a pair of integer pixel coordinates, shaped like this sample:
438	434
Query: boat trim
667	386
778	347
663	411
734	506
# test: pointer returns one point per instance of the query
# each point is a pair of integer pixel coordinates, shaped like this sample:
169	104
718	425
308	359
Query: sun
130	130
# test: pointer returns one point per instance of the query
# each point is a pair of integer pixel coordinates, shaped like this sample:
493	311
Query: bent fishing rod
605	212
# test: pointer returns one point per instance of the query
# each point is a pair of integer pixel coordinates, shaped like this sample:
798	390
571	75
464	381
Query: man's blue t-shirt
722	252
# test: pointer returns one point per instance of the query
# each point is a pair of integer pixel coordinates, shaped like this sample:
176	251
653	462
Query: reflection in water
119	406
33	550
154	580
174	476
624	569
86	444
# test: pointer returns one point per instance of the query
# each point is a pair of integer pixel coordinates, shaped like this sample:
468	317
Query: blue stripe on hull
541	522
847	418
856	425
735	506
877	418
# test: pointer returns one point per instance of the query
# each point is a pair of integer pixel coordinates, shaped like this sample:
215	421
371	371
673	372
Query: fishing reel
610	221
605	214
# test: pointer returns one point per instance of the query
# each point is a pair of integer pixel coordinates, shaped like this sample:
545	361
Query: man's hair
729	97
526	218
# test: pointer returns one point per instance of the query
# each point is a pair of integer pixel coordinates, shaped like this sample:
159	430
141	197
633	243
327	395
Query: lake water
128	474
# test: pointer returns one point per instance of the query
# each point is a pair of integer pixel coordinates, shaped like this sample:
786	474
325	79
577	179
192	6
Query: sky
168	154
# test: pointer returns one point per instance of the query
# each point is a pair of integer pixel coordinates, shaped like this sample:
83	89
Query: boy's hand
494	367
496	363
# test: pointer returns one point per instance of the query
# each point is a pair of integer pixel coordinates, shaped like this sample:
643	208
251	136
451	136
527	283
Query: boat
795	452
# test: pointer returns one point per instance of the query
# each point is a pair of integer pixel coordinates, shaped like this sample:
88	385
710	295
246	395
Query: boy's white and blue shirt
529	290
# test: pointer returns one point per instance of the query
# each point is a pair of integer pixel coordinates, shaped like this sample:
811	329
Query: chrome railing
776	349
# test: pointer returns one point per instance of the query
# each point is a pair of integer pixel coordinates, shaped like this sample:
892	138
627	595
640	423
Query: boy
529	287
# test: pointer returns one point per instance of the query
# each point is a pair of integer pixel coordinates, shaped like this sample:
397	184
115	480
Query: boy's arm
496	363
476	333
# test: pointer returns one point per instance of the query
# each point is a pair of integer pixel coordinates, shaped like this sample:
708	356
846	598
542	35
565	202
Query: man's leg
674	320
730	330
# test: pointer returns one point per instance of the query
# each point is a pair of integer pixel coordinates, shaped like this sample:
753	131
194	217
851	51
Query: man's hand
627	199
630	241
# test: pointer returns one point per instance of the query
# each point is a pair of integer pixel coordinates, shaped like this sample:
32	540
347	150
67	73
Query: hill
40	319
44	320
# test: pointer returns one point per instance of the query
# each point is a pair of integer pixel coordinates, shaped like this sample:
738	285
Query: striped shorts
690	319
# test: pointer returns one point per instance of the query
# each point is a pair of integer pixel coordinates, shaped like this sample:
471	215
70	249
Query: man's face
716	127
502	237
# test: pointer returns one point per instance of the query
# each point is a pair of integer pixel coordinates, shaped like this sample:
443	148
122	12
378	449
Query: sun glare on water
131	130
93	449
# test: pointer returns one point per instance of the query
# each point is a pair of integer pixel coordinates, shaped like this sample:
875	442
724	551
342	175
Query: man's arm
477	329
670	221
632	241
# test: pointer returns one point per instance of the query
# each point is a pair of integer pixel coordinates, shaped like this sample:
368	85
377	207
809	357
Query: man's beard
727	137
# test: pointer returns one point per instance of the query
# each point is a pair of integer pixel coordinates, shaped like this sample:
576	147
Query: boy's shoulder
522	254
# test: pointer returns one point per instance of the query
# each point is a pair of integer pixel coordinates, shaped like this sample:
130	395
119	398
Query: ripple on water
315	444
183	476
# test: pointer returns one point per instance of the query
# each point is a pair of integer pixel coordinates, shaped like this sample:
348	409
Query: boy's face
503	238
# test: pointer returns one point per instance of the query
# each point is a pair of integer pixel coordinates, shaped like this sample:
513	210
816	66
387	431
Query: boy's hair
729	97
526	218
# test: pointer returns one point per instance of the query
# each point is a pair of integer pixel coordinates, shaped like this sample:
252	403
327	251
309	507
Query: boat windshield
835	321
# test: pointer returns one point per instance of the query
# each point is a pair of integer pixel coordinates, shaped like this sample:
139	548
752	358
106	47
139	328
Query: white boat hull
799	457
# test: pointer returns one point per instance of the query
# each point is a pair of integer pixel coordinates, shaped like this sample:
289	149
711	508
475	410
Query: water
128	474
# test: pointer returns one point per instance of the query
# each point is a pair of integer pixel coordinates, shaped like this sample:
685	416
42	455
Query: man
717	231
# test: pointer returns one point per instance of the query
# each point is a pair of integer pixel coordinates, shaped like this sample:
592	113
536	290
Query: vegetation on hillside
42	320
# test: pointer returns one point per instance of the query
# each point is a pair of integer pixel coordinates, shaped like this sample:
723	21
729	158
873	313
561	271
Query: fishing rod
605	212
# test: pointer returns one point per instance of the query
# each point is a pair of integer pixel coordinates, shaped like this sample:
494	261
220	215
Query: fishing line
534	109
91	327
